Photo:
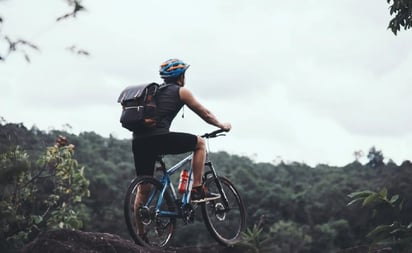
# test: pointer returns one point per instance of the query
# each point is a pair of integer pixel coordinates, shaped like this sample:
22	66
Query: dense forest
79	181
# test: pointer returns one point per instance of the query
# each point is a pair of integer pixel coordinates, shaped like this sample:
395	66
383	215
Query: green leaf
371	199
398	230
394	198
354	201
37	219
361	194
379	231
384	193
77	198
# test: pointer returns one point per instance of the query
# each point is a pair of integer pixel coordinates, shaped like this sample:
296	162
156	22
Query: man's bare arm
187	97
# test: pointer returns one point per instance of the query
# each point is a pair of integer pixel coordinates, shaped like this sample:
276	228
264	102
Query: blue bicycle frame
166	182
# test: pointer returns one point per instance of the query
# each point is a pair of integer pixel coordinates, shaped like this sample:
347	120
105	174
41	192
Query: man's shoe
200	194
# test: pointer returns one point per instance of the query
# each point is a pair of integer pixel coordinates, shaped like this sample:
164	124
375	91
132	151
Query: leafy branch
396	235
402	11
77	6
21	45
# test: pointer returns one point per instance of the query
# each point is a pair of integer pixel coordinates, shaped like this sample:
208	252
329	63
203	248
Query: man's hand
226	126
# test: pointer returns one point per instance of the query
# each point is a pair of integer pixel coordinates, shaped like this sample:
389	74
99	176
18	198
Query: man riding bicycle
158	141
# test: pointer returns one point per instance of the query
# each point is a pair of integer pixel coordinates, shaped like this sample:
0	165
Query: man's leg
198	162
142	195
176	143
144	159
199	193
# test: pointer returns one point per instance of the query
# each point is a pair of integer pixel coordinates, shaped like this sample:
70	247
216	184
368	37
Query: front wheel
145	226
225	218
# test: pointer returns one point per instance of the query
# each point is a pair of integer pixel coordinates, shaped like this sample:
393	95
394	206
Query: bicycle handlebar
214	134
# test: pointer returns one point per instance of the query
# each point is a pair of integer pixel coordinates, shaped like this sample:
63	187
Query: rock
366	249
69	241
73	241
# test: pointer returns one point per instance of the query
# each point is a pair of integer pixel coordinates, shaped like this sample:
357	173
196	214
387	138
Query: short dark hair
173	79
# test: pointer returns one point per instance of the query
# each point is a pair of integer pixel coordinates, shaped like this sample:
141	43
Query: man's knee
201	144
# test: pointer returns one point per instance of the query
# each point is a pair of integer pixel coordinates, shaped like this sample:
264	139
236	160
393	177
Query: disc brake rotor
220	212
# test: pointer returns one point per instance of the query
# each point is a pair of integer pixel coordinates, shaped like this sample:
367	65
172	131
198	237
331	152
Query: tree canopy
291	207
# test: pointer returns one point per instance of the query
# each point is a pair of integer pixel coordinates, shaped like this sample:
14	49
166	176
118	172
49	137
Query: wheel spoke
224	223
144	225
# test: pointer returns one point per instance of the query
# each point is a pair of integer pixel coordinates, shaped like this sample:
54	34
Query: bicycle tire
158	230
226	226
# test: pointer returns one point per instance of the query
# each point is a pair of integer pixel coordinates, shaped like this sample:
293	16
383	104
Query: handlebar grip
214	133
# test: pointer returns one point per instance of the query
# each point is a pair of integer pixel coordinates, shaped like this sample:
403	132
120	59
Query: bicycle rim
157	231
225	223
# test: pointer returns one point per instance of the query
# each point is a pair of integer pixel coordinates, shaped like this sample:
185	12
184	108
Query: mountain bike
159	205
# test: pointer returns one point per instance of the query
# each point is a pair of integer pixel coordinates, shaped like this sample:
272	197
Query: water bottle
184	178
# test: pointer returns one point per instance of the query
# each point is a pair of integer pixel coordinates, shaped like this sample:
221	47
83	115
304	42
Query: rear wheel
225	218
144	225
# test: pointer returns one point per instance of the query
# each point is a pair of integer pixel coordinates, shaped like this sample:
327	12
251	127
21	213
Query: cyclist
149	145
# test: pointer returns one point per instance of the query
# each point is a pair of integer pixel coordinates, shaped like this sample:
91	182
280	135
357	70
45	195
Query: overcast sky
306	81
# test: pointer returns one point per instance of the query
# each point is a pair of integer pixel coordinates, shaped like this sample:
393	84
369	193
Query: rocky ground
68	241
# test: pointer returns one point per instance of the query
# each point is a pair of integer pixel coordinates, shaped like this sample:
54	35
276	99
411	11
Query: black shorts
147	149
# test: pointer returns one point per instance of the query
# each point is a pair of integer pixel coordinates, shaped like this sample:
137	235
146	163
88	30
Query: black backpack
139	107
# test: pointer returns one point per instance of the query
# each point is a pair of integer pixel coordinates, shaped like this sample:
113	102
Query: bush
40	195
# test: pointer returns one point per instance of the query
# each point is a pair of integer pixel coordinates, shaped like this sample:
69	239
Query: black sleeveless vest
168	105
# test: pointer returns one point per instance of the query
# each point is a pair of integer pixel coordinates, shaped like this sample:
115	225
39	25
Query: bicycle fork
212	171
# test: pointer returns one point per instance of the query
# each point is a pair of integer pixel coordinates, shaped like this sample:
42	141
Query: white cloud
308	82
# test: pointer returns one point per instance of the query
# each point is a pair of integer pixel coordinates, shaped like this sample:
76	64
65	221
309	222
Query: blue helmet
172	68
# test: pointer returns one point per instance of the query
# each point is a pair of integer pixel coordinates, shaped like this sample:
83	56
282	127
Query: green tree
402	11
289	237
375	158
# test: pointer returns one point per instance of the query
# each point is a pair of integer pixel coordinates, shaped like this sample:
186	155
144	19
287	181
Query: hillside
292	203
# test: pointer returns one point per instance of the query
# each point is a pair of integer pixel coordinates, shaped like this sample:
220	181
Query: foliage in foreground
402	12
398	234
40	195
